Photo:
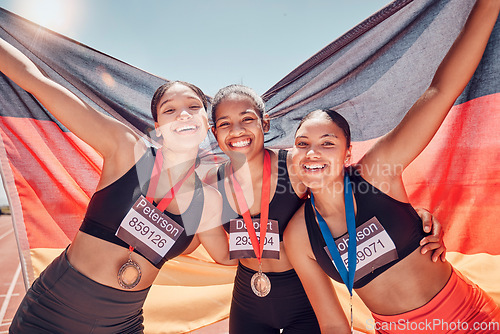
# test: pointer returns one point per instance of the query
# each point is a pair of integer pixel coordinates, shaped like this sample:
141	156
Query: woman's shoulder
295	234
211	192
212	197
210	177
296	224
384	178
123	158
212	207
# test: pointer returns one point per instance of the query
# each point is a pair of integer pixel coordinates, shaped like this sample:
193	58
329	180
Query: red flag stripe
55	174
457	176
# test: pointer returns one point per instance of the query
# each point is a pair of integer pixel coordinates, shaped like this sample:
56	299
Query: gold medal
261	285
129	274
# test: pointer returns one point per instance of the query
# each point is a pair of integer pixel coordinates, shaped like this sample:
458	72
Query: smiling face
181	118
320	152
238	128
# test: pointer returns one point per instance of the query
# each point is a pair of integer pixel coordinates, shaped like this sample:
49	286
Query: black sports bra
108	207
387	231
283	205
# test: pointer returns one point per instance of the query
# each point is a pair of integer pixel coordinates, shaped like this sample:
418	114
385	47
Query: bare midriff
100	261
406	286
270	265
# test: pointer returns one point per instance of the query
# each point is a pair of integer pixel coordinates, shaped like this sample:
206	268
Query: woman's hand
433	242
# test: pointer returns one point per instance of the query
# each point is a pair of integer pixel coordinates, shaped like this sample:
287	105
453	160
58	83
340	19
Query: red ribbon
264	206
155	177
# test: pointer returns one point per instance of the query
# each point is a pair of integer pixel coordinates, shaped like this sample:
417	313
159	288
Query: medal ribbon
264	206
155	177
346	274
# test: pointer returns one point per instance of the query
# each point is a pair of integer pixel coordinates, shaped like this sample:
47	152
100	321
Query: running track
11	281
12	287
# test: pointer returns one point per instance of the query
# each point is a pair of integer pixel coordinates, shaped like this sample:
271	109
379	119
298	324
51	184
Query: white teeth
242	143
186	128
314	167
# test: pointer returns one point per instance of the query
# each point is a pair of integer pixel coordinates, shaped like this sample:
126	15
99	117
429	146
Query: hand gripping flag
371	75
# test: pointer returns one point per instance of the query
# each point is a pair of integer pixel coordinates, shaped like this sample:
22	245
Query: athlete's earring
157	130
347	160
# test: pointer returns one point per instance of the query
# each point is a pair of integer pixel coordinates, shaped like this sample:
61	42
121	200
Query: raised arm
102	132
404	143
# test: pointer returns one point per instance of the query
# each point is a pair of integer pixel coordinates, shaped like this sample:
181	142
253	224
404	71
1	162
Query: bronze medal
261	285
129	274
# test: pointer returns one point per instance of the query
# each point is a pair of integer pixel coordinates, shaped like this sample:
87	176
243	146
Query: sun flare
57	15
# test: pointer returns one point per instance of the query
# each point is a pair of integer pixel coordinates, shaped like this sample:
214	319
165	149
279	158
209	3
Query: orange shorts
460	307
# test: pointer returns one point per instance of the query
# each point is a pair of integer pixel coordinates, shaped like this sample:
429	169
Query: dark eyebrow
169	100
223	117
323	136
248	111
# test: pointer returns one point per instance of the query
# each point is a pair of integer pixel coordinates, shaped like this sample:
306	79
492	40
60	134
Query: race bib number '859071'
240	245
374	248
149	230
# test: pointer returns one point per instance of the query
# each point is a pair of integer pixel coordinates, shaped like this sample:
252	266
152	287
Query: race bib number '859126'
149	230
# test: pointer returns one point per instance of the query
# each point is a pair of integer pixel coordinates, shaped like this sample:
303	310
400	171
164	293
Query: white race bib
240	245
374	249
149	230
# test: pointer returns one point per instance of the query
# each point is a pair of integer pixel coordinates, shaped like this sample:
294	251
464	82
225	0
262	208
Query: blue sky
211	43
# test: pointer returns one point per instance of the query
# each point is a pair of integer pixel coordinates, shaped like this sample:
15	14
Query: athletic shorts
285	307
460	307
62	300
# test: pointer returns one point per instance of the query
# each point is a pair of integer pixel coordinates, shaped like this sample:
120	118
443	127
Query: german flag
371	75
50	174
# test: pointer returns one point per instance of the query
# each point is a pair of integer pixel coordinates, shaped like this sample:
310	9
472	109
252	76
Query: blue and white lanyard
347	274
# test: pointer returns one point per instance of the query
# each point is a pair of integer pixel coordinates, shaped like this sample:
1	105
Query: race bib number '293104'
240	245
